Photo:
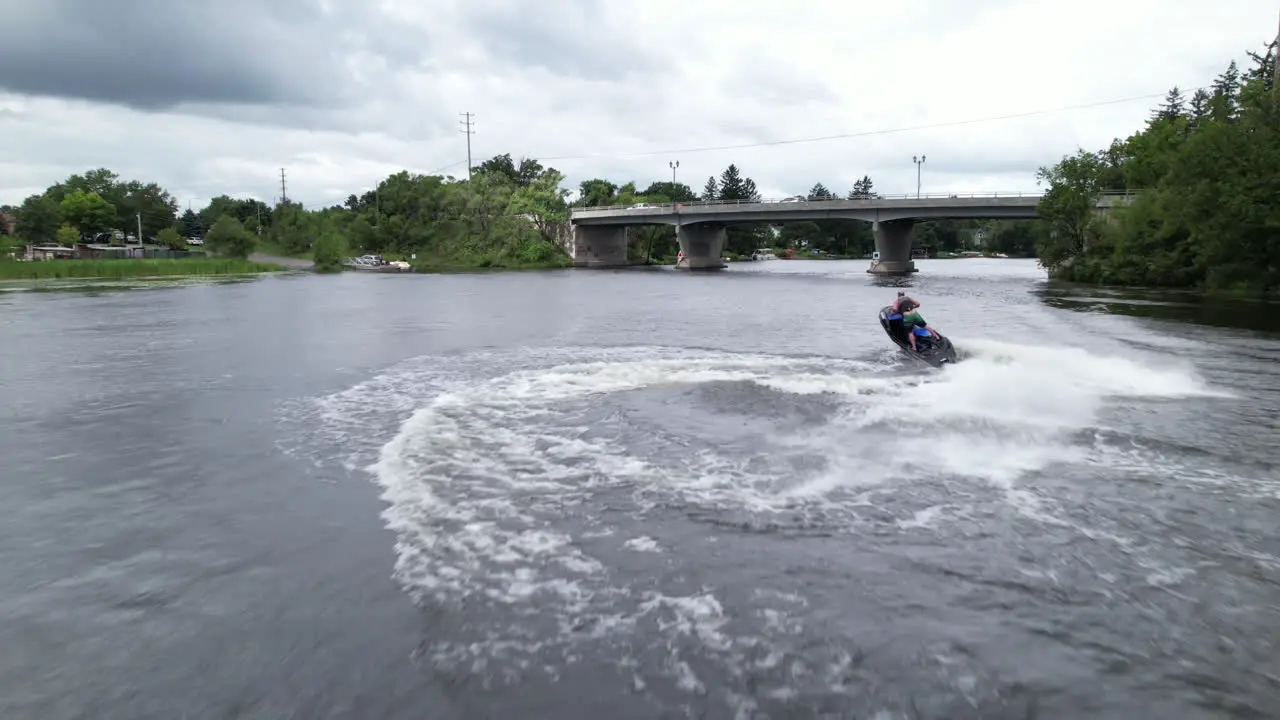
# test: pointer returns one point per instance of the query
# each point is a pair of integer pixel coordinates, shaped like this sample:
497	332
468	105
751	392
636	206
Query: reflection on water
101	285
1177	305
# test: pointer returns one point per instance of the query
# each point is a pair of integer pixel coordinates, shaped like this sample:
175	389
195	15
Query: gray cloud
570	41
160	54
209	98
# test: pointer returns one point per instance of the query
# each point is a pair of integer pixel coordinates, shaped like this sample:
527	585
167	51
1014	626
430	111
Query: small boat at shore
375	263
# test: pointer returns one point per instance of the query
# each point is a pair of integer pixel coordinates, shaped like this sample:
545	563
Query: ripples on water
1078	520
693	520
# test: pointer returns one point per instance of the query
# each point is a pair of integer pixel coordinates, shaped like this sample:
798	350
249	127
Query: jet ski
936	352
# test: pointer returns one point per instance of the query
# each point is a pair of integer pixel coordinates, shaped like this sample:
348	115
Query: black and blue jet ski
933	351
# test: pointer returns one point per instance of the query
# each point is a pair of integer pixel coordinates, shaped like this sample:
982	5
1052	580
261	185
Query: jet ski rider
902	305
918	327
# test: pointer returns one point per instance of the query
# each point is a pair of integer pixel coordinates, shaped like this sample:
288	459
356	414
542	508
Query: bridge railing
800	199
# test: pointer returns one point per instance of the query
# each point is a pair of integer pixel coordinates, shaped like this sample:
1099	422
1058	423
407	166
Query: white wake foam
495	479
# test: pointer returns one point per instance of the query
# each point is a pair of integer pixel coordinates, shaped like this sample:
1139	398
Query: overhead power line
865	133
450	166
468	123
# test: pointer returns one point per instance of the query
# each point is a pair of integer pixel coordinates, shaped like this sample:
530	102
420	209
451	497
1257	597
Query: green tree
670	192
863	188
293	229
241	209
67	235
1069	206
543	202
1173	107
227	238
1204	214
711	191
1015	238
87	211
1224	104
503	168
170	238
330	250
362	235
733	186
38	219
153	203
742	239
596	192
129	199
192	225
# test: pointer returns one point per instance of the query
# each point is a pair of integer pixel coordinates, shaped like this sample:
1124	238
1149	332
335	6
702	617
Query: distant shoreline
132	268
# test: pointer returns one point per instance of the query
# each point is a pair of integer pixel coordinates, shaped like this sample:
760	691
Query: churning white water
531	484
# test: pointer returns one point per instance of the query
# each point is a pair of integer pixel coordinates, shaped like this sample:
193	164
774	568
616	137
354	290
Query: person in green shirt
917	327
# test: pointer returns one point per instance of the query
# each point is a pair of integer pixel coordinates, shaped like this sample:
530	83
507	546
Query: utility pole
284	196
466	124
673	166
140	242
918	161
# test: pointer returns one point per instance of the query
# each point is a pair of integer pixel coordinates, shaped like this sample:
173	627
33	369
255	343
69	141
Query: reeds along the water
55	269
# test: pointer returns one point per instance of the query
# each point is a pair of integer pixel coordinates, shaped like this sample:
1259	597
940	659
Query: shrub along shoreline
131	268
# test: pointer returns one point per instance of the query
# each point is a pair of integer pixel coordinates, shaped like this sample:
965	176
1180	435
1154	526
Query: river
637	494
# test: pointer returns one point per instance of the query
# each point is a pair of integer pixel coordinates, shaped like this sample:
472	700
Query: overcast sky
211	97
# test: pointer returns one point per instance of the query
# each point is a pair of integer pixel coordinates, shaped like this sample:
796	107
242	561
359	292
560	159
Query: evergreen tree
1199	108
733	186
711	191
1173	108
863	189
1225	103
820	192
1264	66
742	238
191	224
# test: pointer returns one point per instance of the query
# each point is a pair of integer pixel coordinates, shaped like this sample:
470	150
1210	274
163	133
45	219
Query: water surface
635	494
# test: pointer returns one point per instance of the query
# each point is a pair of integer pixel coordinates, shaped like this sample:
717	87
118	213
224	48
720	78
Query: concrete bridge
600	233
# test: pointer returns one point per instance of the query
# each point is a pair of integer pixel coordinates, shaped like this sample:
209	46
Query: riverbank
488	264
1233	282
114	269
292	263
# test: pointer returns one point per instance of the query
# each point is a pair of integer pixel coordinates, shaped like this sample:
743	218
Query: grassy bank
118	269
488	263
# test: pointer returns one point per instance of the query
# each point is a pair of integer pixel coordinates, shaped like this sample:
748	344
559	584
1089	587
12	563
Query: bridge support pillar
599	245
701	246
893	242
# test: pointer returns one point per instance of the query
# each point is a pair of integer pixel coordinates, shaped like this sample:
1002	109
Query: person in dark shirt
903	304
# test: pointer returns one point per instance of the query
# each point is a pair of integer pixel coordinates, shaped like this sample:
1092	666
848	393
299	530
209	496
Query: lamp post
918	161
673	165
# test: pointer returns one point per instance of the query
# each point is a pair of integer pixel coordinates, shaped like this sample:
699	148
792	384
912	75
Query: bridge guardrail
792	199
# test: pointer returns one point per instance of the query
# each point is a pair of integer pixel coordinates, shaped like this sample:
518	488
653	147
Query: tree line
851	238
508	214
505	215
1206	175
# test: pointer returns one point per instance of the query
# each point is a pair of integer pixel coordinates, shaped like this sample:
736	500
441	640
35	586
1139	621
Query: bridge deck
1012	205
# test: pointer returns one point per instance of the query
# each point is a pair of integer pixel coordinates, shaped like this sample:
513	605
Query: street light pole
918	161
673	165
